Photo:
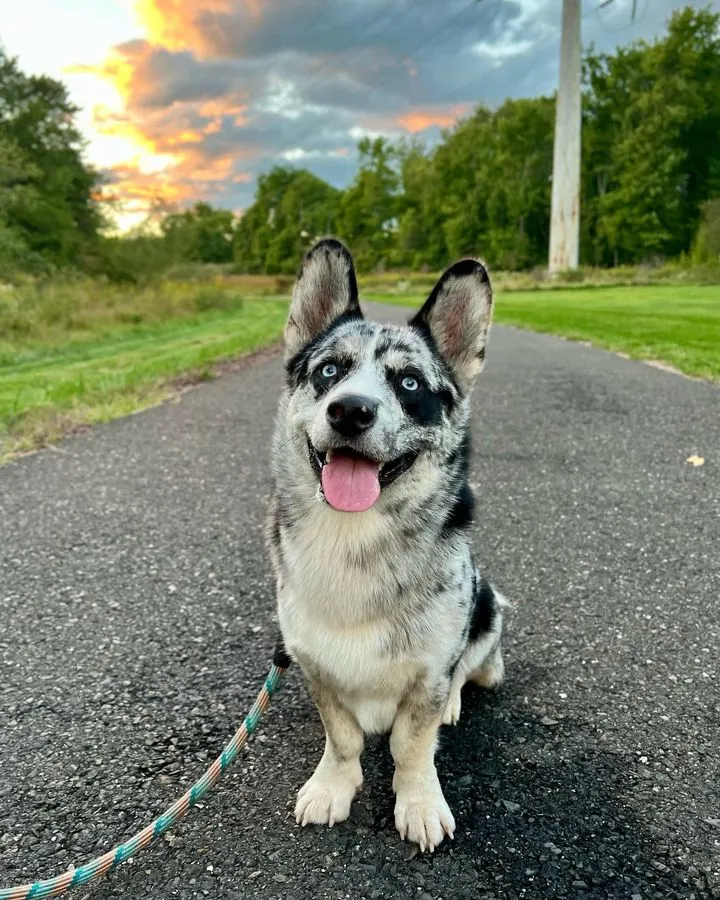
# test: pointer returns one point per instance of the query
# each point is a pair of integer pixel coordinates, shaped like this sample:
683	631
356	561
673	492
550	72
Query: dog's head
368	403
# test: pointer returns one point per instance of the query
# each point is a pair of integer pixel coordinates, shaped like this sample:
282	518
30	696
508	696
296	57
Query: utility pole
565	218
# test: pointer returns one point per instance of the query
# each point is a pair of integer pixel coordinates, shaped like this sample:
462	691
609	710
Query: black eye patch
298	367
322	379
422	404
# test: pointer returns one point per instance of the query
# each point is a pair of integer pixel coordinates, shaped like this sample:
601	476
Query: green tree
706	247
517	183
200	234
292	208
461	165
59	217
17	180
420	239
652	140
371	204
486	190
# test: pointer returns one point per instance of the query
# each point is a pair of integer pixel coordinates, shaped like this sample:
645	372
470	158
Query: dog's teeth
328	456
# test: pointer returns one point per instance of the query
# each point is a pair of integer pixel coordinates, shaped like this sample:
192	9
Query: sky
187	100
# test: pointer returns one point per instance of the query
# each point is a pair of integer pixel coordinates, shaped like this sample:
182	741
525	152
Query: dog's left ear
326	289
457	314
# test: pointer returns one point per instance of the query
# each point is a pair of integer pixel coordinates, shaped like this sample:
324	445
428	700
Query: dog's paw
491	673
326	797
451	716
424	818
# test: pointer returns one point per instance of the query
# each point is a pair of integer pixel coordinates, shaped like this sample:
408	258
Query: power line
433	42
634	18
439	37
551	38
325	68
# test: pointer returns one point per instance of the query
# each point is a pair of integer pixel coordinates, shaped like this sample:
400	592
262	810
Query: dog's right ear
326	288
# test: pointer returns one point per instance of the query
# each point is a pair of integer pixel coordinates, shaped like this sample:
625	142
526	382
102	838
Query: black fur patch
483	613
392	341
275	531
283	516
298	366
460	515
423	405
281	658
422	329
320	383
467	267
459	460
450	671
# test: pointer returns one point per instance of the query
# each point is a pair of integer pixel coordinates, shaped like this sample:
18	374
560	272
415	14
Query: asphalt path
137	620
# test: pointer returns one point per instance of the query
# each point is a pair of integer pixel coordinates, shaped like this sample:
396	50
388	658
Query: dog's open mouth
352	482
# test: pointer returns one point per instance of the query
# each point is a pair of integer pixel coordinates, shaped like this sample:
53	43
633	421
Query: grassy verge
679	326
398	282
79	353
58	375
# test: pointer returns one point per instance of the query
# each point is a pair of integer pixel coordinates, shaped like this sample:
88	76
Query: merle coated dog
380	602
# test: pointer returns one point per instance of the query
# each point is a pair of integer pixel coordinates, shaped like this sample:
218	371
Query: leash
98	867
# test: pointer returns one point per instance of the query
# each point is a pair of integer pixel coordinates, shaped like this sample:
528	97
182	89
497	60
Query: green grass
676	273
49	388
676	325
76	353
39	316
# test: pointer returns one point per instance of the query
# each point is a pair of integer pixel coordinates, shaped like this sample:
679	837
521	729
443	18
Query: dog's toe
451	716
424	820
491	673
325	801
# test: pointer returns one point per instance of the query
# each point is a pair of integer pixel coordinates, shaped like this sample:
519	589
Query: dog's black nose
352	414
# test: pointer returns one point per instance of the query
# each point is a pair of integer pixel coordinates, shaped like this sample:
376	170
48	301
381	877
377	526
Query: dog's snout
352	414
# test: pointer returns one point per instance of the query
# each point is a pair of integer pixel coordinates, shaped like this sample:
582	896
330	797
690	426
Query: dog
379	600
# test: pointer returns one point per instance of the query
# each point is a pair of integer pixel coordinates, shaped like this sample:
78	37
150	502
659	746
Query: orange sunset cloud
173	23
214	91
419	120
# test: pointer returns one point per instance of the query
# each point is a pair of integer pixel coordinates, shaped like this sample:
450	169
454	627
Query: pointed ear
457	314
326	288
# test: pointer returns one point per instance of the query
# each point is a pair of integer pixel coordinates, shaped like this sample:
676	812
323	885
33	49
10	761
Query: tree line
650	180
651	171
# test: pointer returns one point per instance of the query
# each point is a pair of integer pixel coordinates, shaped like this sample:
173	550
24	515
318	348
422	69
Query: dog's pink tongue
350	483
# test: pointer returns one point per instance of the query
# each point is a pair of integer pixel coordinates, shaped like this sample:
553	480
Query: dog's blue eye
410	383
329	370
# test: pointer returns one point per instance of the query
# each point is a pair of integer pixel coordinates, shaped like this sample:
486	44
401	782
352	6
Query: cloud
421	119
213	92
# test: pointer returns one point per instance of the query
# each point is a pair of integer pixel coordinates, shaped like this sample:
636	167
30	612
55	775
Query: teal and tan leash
96	868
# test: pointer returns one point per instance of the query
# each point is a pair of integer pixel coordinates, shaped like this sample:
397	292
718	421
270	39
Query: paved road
136	615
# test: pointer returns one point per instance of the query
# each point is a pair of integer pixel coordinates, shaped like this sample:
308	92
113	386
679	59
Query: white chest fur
337	589
368	680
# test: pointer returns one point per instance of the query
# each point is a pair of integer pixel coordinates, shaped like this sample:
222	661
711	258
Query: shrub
706	247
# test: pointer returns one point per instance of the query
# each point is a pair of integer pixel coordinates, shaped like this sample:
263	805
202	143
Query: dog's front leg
421	813
326	797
